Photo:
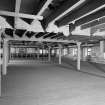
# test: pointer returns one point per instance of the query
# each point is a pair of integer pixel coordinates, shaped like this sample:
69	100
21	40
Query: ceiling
83	13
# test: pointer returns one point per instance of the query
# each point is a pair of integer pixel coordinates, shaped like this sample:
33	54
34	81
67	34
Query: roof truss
21	15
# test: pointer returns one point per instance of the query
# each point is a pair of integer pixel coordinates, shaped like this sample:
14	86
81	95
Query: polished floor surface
53	84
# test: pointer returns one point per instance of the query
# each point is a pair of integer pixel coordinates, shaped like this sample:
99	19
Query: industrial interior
52	52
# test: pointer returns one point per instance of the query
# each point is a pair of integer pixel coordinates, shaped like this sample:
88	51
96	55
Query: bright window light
40	51
64	30
12	50
36	26
52	28
104	55
78	31
99	33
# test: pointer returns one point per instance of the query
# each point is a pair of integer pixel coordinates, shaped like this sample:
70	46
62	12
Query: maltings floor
53	84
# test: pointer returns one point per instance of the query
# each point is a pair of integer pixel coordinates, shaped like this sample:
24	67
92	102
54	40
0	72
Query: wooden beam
36	34
54	35
24	34
17	6
45	35
16	36
95	28
17	9
93	20
60	37
21	15
44	7
43	40
76	5
14	33
99	26
93	7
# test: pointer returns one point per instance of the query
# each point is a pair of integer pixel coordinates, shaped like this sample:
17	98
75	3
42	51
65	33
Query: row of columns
6	52
6	57
78	54
102	51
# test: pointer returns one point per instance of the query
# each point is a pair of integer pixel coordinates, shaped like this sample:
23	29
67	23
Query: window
74	51
89	51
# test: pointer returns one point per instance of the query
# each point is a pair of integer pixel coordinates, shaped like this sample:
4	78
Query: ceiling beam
44	7
49	35
97	18
60	37
76	5
17	6
43	40
24	34
24	37
14	33
91	11
36	34
21	15
45	35
97	27
15	36
39	35
54	35
93	20
89	8
93	23
17	9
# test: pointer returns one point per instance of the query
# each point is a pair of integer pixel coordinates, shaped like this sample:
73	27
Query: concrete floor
53	84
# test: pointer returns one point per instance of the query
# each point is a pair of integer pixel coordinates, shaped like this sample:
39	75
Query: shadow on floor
71	65
98	66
